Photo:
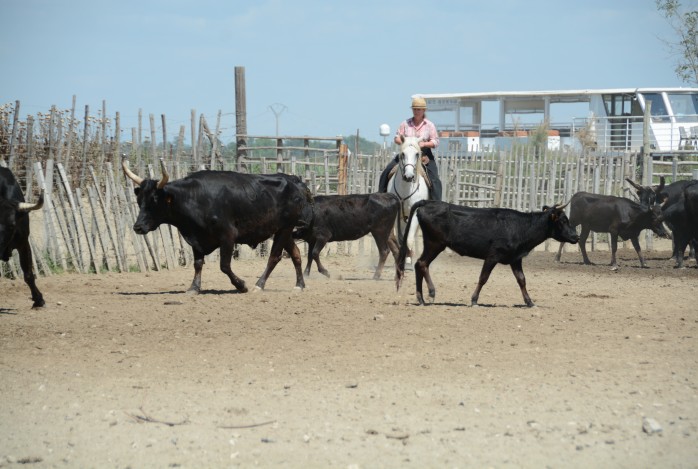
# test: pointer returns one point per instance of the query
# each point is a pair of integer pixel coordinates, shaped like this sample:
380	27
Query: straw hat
419	103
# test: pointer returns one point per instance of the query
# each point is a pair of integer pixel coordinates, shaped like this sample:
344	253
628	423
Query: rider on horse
418	126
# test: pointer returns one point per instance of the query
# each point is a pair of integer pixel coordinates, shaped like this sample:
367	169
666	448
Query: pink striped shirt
426	130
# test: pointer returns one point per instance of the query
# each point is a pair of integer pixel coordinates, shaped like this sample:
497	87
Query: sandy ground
126	370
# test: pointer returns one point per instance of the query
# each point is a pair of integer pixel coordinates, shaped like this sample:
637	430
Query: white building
609	119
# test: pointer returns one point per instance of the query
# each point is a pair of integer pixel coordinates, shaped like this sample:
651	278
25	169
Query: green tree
365	147
685	25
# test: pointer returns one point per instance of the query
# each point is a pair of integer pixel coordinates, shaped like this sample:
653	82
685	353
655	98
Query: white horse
408	183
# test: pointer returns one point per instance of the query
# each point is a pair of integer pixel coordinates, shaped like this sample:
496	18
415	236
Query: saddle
420	170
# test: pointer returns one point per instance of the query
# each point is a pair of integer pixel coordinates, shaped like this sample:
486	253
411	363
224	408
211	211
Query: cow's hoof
257	289
615	268
192	291
298	289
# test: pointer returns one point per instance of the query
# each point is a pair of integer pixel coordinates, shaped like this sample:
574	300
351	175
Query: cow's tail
400	264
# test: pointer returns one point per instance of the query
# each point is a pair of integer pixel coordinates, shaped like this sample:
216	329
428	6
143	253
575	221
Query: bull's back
597	212
349	217
673	193
691	203
257	205
474	232
9	187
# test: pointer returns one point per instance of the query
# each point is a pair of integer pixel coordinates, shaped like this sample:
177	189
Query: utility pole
240	119
277	109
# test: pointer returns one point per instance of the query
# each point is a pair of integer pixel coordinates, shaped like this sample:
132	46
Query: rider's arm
433	140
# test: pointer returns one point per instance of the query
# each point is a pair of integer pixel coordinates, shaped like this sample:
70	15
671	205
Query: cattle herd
219	209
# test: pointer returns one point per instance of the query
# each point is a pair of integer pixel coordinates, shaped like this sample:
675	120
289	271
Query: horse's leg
410	239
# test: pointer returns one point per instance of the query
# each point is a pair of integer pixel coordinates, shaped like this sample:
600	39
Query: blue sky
336	67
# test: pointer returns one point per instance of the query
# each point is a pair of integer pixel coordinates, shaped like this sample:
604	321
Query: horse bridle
402	170
403	166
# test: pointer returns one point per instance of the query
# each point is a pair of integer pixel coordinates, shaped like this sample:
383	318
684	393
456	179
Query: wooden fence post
106	258
107	221
13	136
342	171
73	225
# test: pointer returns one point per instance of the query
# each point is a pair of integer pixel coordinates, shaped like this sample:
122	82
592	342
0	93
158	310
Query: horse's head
410	155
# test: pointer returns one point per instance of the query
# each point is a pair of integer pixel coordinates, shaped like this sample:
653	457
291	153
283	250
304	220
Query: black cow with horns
683	216
14	229
671	198
495	235
615	215
213	209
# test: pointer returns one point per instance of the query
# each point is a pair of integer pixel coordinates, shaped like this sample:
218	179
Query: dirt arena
126	370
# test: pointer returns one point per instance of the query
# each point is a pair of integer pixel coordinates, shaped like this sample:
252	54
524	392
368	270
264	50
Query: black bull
14	229
213	209
615	215
675	213
691	203
683	216
349	217
495	235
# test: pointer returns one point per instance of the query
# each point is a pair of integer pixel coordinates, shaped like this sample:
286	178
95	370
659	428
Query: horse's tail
400	263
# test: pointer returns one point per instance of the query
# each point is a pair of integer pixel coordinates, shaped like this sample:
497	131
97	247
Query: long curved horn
165	175
562	207
124	164
634	184
661	185
27	207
